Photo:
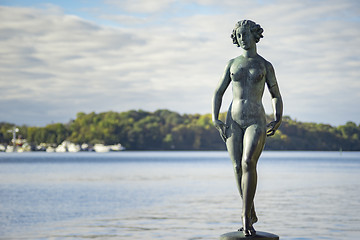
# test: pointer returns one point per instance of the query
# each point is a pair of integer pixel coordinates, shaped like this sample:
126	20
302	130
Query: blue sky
58	58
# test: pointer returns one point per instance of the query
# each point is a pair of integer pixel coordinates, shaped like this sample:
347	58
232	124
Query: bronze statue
245	129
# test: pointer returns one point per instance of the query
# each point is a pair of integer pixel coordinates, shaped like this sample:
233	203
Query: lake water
175	195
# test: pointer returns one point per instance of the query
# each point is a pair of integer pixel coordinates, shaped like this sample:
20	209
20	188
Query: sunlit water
175	195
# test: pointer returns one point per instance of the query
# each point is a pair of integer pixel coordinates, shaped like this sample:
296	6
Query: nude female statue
245	129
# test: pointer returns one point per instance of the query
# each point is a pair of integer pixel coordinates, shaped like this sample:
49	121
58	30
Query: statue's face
245	38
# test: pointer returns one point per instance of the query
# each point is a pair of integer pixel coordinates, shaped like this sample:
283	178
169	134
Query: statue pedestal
240	236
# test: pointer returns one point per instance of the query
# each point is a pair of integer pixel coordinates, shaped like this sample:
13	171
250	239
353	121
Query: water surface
175	195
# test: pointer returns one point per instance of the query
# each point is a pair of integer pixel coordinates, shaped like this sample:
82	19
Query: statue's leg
234	144
254	140
253	217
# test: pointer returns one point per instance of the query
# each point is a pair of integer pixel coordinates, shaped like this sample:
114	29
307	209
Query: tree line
168	130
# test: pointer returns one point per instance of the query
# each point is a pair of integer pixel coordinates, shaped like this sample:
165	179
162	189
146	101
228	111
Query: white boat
61	148
72	147
107	148
10	148
2	148
50	149
101	148
117	147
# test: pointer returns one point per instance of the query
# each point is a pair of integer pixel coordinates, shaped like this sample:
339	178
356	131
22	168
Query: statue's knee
237	168
248	164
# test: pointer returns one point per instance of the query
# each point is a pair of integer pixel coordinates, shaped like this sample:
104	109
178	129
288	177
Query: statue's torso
248	82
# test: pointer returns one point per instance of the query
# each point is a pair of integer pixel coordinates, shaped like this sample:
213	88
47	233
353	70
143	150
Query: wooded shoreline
168	130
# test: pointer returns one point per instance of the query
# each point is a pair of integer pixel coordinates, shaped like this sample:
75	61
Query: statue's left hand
221	127
273	126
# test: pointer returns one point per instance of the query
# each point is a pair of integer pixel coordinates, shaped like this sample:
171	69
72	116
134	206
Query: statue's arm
276	100
217	100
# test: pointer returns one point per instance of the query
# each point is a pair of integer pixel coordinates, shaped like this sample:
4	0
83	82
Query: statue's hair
255	29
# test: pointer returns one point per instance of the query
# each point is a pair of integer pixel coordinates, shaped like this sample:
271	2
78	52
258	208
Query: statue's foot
248	229
254	218
249	232
252	231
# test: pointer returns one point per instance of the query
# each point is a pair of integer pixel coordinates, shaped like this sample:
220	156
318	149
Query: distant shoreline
168	130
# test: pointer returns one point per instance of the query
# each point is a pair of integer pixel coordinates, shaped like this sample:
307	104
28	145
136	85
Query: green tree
167	130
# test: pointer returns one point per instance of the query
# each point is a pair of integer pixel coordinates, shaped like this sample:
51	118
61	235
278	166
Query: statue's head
254	28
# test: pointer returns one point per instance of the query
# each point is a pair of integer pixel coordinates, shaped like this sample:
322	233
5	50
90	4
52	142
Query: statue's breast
247	73
239	73
256	74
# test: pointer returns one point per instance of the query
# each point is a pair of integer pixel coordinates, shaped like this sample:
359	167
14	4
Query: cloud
141	6
54	65
128	20
313	47
58	59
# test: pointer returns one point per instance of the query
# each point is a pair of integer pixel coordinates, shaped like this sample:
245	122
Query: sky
58	58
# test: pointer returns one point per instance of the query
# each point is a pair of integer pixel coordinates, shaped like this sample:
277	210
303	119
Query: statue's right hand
221	127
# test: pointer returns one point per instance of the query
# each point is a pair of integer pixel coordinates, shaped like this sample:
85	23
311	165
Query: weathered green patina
245	129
